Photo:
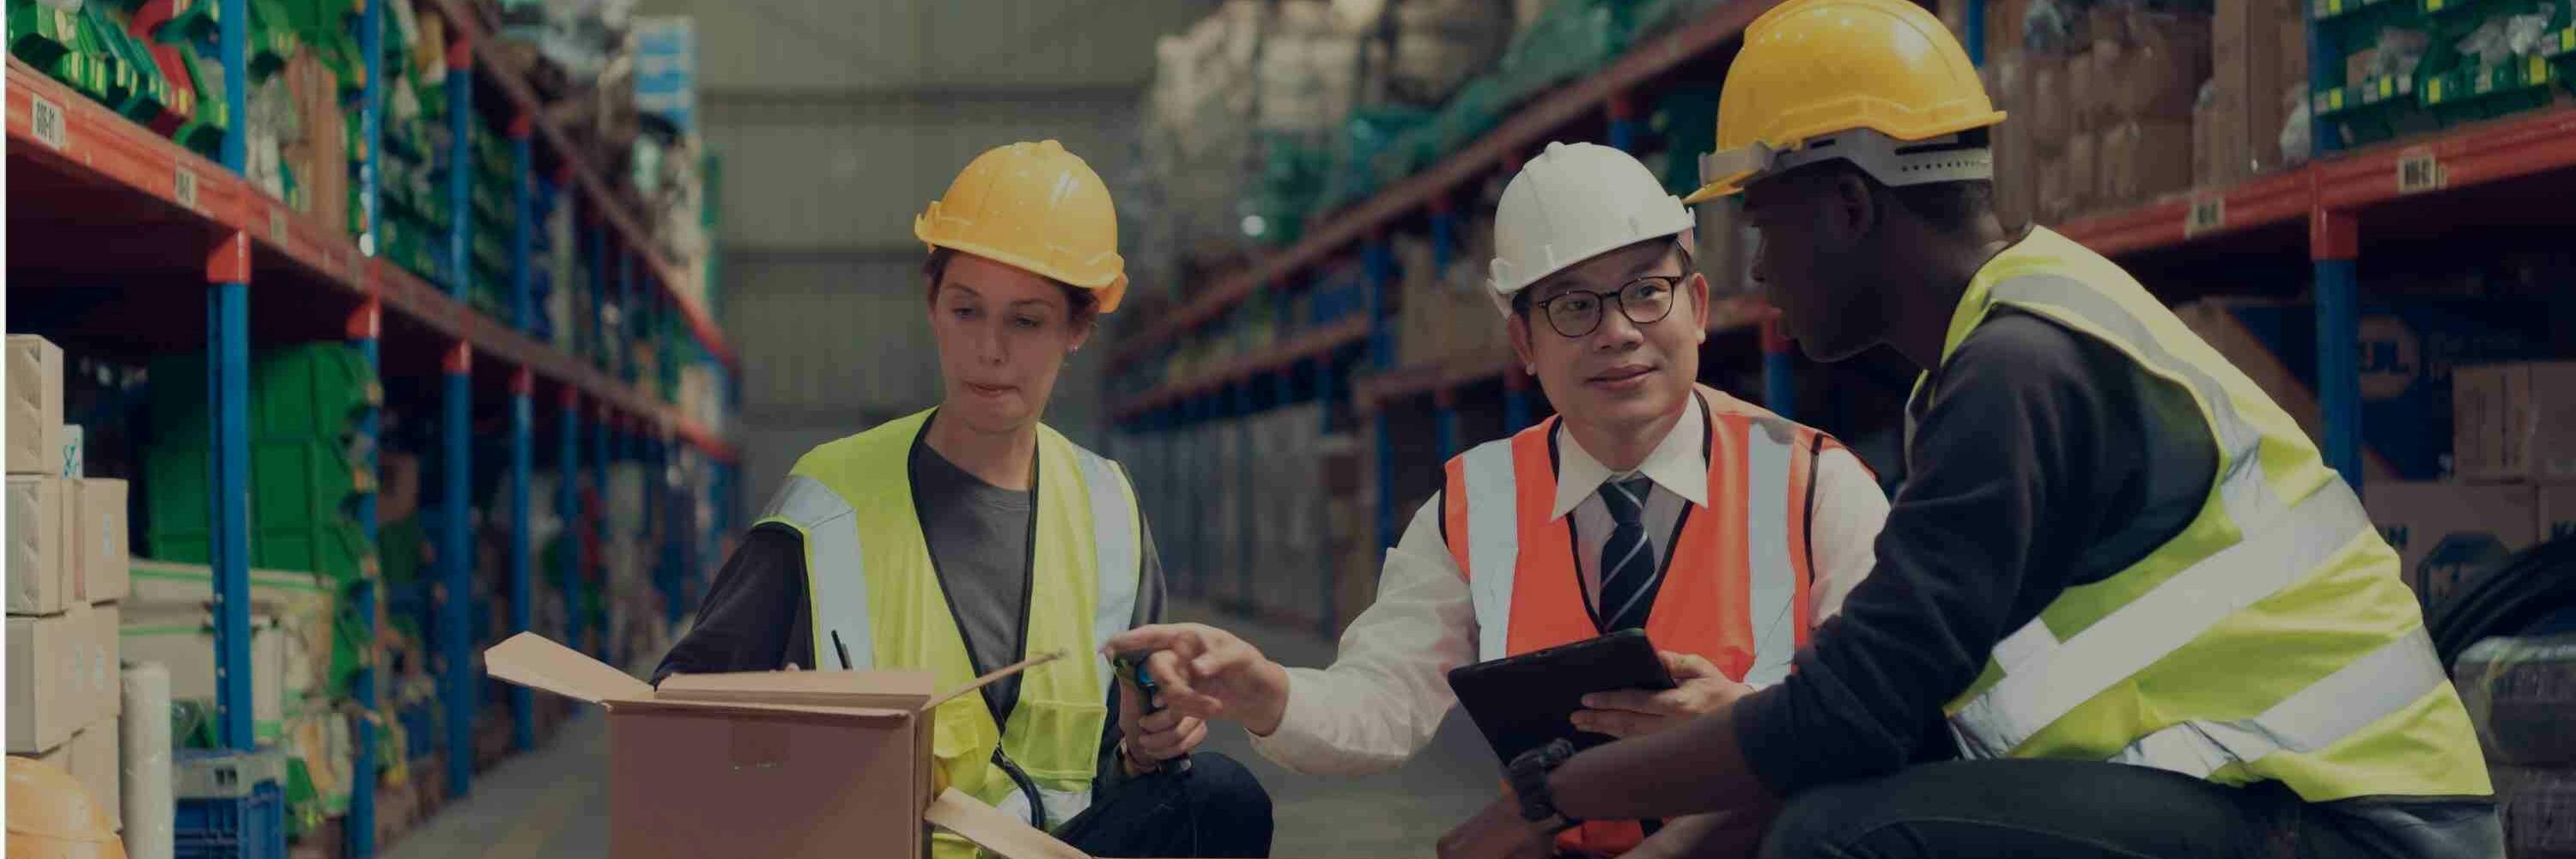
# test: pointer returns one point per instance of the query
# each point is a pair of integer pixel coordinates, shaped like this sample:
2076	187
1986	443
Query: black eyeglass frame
1670	282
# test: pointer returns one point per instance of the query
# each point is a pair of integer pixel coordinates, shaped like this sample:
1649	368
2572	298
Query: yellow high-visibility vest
2270	640
876	602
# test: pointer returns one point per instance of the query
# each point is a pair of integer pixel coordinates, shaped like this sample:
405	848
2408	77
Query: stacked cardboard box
66	569
2258	78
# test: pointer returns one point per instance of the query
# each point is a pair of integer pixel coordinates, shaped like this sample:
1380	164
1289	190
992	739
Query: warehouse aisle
552	803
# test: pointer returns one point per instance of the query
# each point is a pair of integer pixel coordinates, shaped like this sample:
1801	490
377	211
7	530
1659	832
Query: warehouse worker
1649	502
964	538
2154	622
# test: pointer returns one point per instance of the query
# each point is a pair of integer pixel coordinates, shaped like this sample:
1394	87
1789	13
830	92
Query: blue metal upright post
628	311
456	571
360	833
1779	384
1244	492
1625	128
1976	32
599	292
371	136
523	418
228	386
365	328
1378	261
1445	402
523	315
568	509
523	229
460	168
2334	244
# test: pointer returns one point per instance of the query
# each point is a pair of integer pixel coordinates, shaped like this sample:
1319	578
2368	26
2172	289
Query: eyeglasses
1577	312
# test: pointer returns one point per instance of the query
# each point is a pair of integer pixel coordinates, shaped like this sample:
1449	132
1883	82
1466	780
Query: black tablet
1523	702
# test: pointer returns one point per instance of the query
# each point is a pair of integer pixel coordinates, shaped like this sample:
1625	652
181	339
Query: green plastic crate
40	35
294	484
2467	94
337	549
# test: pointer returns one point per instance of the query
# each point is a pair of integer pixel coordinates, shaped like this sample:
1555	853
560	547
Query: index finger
1159	636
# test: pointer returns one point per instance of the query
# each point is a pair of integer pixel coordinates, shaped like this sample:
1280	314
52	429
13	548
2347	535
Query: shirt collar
1679	464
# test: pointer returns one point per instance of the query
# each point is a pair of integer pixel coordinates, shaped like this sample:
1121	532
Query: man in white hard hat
1649	502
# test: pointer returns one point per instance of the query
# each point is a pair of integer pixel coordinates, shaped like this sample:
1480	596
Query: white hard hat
1574	202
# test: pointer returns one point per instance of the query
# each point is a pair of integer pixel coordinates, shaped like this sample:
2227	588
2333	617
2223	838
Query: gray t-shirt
979	541
754	616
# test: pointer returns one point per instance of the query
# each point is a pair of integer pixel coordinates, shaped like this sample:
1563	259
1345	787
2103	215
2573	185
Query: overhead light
1254	226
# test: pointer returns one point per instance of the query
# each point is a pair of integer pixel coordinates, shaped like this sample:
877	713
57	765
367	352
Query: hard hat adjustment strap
1894	163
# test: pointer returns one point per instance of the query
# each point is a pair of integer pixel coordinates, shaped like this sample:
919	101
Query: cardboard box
2016	186
2142	159
2159	72
2209	126
770	764
2098	107
102	669
2085	106
95	763
40	576
99	538
2449	534
2083	170
2258	52
2051	110
2557	511
75	451
2053	203
45	695
2409	349
2515	422
35	394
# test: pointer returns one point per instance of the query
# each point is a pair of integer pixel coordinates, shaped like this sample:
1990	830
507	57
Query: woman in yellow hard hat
967	537
2119	583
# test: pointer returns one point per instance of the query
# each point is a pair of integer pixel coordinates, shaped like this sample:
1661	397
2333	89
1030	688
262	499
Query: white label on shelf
2205	214
184	186
45	118
277	226
2418	172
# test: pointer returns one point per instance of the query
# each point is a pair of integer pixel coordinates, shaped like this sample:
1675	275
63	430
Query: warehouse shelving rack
136	219
2467	174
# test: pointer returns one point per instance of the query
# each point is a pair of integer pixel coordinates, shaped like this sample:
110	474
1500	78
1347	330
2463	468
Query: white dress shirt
1388	688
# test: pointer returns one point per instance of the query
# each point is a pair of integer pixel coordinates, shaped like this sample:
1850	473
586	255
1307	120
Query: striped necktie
1628	564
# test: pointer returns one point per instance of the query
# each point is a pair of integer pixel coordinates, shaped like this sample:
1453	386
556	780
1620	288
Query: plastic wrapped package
2521	696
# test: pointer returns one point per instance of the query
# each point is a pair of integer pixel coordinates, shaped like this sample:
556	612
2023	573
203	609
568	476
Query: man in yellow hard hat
2119	584
967	537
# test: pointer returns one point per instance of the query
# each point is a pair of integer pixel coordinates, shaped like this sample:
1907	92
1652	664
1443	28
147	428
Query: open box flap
814	712
989	828
532	660
997	674
904	690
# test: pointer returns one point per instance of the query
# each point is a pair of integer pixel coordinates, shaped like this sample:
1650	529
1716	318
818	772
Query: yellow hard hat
1812	70
1036	207
51	817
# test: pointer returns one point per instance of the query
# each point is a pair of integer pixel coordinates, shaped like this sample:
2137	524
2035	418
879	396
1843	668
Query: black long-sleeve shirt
2041	459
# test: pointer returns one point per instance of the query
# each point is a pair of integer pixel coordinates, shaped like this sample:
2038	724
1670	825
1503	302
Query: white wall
837	121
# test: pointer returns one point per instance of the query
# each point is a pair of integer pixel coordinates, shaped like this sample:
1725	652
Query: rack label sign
45	118
184	186
2205	214
2418	172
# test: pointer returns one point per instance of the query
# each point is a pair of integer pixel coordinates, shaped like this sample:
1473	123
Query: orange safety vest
1735	585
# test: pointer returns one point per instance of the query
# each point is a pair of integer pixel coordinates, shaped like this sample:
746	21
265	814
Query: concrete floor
551	803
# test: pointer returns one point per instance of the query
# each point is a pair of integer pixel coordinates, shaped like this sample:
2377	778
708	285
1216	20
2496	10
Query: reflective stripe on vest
1088	555
2337	694
1735	587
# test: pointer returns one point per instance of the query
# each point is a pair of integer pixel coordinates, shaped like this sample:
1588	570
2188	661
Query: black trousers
2049	808
1213	809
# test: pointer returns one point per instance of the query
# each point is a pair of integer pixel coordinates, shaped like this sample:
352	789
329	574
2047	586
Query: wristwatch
1528	776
